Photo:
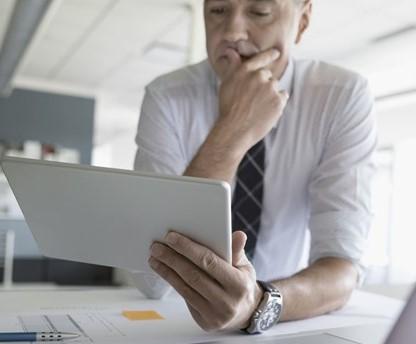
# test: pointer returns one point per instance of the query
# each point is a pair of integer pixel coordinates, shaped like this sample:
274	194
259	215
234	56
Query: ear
305	18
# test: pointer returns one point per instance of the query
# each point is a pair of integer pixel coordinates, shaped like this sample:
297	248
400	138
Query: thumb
234	60
239	240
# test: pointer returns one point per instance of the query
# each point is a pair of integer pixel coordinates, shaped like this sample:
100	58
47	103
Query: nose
235	28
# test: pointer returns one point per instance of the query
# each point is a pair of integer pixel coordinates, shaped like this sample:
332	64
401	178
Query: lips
243	49
230	54
246	49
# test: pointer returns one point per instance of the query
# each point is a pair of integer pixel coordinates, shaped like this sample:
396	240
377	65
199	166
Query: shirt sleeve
340	187
159	148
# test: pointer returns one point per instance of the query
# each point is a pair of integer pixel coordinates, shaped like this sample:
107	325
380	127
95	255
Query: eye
261	11
261	14
218	10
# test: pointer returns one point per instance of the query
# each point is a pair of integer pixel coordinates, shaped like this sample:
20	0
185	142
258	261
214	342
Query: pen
36	336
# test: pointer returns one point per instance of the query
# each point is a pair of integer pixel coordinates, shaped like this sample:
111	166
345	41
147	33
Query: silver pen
36	336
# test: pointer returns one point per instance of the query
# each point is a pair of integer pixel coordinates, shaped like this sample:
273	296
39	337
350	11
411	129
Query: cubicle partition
56	122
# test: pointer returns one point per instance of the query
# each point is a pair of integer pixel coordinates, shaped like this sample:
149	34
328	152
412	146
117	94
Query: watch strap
272	292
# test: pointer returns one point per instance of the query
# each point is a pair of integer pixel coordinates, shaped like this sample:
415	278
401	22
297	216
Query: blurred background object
6	257
72	76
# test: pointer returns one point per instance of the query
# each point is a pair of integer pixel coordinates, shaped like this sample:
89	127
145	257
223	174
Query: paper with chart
168	321
139	323
100	326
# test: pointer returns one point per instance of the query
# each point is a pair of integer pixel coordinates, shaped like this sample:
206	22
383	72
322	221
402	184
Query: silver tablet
110	217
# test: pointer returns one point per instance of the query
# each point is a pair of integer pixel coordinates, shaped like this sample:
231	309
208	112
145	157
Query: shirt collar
286	81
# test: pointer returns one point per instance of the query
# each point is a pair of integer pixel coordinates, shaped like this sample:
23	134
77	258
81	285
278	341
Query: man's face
251	26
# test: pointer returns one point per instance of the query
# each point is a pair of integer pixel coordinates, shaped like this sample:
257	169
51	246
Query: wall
49	118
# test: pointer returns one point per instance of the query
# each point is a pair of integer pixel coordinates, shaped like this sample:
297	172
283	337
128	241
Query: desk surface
108	304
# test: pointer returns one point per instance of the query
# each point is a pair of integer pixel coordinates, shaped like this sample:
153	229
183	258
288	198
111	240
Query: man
311	125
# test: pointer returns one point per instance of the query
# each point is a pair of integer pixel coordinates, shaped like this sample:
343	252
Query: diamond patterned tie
248	196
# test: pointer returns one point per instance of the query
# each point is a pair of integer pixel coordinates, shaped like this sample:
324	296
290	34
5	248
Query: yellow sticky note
142	315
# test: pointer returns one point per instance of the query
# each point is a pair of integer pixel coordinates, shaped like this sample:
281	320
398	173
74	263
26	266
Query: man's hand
219	295
250	105
250	101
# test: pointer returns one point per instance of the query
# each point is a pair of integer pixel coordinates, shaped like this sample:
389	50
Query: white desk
104	306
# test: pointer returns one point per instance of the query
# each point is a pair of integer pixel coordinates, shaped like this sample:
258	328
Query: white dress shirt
318	163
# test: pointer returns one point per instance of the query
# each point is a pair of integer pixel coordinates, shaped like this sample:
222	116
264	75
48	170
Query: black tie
248	196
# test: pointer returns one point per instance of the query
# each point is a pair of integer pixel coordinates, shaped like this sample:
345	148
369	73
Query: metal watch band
269	310
270	288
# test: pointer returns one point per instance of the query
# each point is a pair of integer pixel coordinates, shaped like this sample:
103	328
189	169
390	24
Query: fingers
196	314
191	274
265	74
262	60
195	300
240	260
202	257
234	60
284	94
184	264
284	97
238	254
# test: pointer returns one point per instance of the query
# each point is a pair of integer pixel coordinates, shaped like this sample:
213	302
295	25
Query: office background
87	62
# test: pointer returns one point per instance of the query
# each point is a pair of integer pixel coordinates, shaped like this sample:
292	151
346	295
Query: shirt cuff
340	234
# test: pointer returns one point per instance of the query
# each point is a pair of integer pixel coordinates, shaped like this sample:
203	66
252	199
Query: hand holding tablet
111	217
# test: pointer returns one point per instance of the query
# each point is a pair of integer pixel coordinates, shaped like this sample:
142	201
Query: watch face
270	315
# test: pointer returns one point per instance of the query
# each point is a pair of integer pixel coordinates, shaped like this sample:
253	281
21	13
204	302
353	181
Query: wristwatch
269	310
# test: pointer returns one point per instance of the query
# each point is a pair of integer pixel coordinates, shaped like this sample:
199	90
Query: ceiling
6	7
107	44
374	37
339	27
118	46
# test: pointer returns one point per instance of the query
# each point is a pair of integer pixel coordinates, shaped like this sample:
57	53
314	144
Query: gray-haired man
293	138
